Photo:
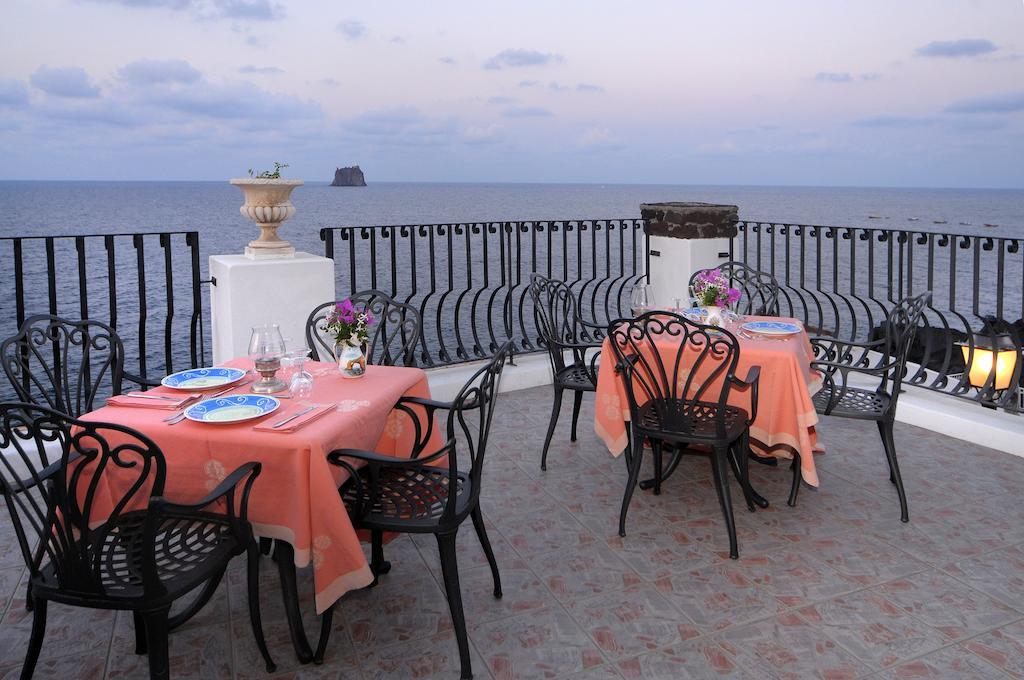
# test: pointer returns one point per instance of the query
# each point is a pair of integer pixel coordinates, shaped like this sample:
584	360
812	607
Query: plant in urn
268	204
350	327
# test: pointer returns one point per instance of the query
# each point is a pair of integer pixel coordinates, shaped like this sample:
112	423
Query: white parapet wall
942	413
251	292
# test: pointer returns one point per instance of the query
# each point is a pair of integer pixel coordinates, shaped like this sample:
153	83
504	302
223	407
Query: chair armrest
752	380
245	475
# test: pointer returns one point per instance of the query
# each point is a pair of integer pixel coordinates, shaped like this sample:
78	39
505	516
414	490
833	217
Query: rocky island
349	177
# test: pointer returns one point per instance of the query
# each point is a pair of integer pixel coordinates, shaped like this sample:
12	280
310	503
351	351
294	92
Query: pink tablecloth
296	496
786	418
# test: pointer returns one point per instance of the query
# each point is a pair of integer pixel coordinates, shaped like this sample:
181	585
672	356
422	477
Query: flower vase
351	360
714	315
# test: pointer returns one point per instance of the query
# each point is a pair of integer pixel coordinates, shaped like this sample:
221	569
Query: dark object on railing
432	492
843	281
64	364
88	277
884	361
84	549
759	291
393	335
470	281
556	313
670	406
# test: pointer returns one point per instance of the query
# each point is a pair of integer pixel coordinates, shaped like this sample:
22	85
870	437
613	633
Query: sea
69	208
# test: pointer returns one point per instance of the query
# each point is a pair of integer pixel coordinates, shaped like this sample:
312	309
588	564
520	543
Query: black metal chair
64	364
681	397
95	530
413	495
556	312
759	290
883	360
393	336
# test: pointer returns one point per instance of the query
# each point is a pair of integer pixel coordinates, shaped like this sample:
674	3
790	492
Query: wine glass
301	385
641	299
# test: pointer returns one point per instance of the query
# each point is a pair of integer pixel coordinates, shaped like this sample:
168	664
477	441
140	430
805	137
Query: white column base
676	261
253	292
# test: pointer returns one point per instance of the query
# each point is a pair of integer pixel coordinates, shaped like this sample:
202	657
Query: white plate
771	327
233	409
202	378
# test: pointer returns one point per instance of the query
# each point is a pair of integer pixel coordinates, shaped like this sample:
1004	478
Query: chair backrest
469	421
900	328
684	368
393	336
759	291
63	364
66	482
556	313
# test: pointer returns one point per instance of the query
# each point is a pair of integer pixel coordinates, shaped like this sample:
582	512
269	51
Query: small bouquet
712	289
348	324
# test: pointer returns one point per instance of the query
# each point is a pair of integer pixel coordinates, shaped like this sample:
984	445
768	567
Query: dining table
786	422
295	499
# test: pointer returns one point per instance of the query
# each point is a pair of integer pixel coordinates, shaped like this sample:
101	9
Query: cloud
529	83
240	10
403	126
871	76
447	60
482	135
557	87
519	58
329	82
353	29
597	138
500	100
397	40
587	87
261	70
887	121
64	82
967	47
150	72
526	112
13	94
826	77
235	101
1006	102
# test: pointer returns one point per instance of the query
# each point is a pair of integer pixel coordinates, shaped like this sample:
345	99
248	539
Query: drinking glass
302	380
641	299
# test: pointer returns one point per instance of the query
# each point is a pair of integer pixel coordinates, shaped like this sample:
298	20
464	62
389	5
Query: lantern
990	353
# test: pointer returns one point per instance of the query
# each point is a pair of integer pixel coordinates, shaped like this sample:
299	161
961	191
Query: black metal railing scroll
146	286
470	280
842	281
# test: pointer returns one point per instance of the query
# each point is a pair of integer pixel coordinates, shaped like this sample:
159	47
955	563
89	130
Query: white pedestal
676	261
253	292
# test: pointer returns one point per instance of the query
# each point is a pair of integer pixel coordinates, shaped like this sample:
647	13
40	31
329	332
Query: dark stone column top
689	220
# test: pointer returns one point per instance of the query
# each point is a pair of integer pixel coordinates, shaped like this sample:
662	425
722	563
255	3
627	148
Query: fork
180	415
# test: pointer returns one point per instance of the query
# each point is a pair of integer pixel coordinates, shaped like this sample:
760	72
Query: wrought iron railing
470	280
146	286
843	280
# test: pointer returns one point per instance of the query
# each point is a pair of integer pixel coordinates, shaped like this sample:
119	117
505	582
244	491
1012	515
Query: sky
910	93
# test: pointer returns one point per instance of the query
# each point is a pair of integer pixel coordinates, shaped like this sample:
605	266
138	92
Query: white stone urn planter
268	204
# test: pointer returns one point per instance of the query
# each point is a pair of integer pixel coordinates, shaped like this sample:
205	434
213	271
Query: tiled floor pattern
834	588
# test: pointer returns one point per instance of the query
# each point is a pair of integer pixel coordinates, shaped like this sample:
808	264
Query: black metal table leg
284	557
677	455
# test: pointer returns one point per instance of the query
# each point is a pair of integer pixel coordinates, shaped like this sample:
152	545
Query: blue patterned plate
202	378
771	327
233	409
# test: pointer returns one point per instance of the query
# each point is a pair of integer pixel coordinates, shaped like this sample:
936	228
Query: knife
143	395
282	423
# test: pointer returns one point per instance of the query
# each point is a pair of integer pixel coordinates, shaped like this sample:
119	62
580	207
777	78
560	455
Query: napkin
177	402
268	424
